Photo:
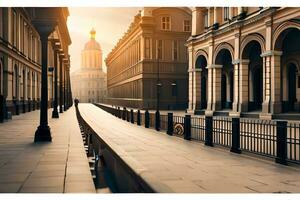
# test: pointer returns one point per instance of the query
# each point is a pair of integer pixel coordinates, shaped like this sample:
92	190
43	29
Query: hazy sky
110	25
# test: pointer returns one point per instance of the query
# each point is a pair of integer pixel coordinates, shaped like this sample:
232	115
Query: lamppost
158	85
174	92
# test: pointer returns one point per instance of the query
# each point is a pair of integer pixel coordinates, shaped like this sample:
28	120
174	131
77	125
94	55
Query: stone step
103	190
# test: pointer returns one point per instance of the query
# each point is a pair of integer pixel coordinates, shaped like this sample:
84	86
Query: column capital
271	53
240	61
214	66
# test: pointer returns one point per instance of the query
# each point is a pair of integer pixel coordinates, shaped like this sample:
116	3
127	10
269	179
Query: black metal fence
276	139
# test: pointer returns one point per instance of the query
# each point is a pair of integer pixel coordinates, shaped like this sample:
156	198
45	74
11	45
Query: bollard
187	127
170	124
24	106
157	120
29	105
123	113
281	142
33	105
131	116
235	140
209	131
147	118
15	102
138	120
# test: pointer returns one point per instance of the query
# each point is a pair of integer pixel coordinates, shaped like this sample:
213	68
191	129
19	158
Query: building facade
21	59
89	82
148	66
244	59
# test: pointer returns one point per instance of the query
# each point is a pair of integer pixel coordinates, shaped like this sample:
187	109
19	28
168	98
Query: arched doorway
292	94
201	63
252	52
288	42
224	58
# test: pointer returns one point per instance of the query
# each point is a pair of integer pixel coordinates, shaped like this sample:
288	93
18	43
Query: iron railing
275	139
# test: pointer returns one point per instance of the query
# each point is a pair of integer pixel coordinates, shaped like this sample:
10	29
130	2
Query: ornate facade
89	82
244	59
149	63
21	59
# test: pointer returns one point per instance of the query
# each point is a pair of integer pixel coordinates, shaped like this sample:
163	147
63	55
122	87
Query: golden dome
92	44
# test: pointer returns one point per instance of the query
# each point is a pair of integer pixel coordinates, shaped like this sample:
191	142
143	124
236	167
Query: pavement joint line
66	167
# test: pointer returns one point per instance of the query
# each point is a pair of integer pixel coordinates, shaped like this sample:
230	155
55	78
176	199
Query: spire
93	33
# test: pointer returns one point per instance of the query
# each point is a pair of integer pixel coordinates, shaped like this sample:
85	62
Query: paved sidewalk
171	164
60	166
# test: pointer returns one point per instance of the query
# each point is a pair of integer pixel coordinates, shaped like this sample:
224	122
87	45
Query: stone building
149	63
244	59
21	58
89	82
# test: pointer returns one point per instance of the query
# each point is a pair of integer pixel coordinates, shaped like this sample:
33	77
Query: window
165	23
14	31
147	47
226	13
186	25
159	49
175	50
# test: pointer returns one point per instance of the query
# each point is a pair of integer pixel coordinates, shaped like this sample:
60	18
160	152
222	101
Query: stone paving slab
29	167
171	164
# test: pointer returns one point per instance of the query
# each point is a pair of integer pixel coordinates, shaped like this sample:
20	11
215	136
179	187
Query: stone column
244	91
55	103
215	15
215	71
65	87
191	80
197	21
191	91
61	57
43	131
197	88
276	82
208	17
272	81
236	90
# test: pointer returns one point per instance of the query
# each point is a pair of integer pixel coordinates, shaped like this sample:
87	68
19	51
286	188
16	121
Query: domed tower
91	55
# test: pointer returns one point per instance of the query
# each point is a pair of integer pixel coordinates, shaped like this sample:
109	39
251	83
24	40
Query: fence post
131	116
119	112
209	131
235	140
127	115
170	124
123	113
187	127
147	117
157	120
281	142
138	120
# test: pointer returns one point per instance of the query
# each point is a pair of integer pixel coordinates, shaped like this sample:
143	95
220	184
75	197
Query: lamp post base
43	134
55	114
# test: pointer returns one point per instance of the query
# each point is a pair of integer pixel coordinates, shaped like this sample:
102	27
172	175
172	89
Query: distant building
20	59
151	58
90	80
245	59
